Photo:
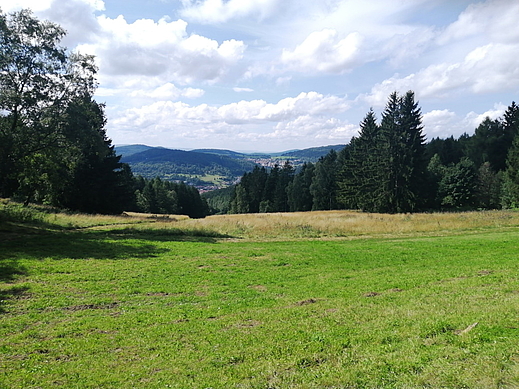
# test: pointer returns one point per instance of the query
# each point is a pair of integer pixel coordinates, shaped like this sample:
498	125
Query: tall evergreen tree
488	191
97	181
359	178
402	162
510	189
490	143
280	200
324	183
298	191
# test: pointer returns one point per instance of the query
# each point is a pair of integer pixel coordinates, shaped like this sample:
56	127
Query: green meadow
129	302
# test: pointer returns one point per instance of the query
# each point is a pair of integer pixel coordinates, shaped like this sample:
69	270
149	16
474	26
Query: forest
390	168
54	150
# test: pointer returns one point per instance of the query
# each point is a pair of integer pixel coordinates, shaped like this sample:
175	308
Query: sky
277	75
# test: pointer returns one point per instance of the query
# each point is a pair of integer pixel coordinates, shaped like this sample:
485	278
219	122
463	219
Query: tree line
390	168
53	144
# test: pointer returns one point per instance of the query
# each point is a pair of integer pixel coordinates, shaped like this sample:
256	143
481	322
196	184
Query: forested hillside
390	168
194	167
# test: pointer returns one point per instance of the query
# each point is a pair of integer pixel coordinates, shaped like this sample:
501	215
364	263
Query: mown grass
187	307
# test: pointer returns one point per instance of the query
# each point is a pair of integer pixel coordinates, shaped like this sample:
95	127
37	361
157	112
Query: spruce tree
402	156
298	191
510	189
359	172
324	183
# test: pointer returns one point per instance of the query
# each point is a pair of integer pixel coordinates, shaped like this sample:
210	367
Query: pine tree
488	187
402	156
324	183
510	189
280	200
360	170
298	191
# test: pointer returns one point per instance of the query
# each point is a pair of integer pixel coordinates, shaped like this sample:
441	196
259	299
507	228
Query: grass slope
156	304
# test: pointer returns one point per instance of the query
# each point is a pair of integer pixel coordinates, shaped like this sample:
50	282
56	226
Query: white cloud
486	69
443	123
437	123
218	11
35	5
307	126
163	48
494	19
473	119
324	51
168	91
236	89
306	115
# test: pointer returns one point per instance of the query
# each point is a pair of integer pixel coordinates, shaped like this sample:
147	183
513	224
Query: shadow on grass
101	244
11	292
122	244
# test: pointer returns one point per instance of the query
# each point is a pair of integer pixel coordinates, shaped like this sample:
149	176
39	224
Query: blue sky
274	75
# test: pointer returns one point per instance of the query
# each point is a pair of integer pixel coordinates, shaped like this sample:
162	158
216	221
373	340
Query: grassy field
315	300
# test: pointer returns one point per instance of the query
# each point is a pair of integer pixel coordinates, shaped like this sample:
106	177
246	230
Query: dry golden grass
280	226
347	224
156	216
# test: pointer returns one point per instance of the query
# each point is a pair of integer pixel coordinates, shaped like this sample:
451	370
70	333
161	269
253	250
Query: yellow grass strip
331	224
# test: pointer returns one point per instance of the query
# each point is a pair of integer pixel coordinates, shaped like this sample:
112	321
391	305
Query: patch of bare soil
306	302
84	307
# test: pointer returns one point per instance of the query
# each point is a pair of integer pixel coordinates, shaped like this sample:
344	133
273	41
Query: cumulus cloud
306	115
495	19
324	51
437	123
35	5
242	112
486	69
151	48
168	91
218	11
473	119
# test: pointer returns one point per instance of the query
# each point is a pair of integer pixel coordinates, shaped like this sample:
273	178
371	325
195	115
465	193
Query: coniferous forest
389	168
54	150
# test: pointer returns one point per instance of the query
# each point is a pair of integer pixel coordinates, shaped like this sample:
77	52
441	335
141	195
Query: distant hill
131	149
200	169
227	153
312	154
208	168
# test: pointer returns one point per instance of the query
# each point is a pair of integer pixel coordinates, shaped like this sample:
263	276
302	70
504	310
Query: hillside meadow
304	300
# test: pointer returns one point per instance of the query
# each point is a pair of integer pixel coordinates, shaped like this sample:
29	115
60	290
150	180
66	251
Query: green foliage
385	169
166	197
38	81
359	173
324	183
457	188
53	146
489	185
298	191
263	191
219	200
490	143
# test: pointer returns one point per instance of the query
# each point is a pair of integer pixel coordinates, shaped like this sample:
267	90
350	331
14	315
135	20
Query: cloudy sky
273	75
